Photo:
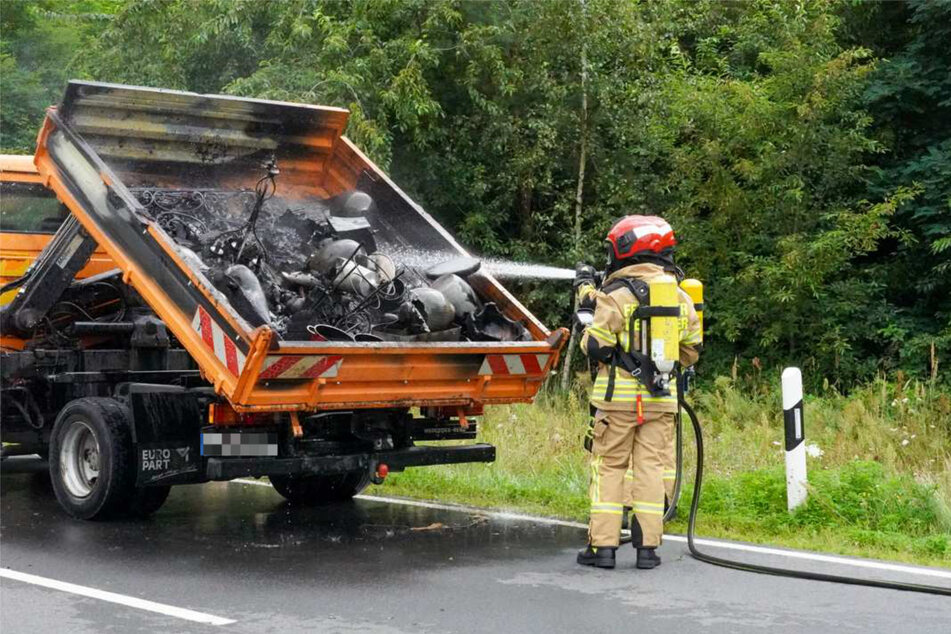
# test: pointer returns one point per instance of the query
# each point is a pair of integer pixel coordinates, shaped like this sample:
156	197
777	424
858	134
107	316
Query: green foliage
199	45
370	57
762	144
38	40
859	503
909	98
859	497
802	150
24	102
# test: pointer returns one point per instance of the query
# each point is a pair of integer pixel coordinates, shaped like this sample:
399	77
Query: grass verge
880	473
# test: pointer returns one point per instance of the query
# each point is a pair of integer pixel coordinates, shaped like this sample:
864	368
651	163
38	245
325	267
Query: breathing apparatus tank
664	327
694	288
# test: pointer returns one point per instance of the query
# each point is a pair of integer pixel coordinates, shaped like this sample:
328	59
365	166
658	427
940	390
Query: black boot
597	556
647	558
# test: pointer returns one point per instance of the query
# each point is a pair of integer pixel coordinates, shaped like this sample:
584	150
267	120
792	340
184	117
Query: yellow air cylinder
694	288
665	329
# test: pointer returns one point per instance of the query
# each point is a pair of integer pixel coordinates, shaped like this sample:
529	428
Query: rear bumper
396	460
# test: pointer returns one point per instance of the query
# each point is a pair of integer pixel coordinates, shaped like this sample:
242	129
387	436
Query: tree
37	42
909	98
753	140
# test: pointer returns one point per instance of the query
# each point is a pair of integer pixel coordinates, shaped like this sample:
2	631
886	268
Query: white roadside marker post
795	438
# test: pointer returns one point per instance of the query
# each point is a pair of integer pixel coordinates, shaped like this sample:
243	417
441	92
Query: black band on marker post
795	433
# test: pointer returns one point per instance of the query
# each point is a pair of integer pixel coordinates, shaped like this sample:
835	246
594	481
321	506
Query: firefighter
586	299
643	323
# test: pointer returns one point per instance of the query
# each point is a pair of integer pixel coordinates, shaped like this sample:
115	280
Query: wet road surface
238	552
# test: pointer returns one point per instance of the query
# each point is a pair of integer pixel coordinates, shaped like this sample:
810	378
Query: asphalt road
237	552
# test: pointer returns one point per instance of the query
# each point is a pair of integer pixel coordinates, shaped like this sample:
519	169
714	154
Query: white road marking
832	559
763	550
112	597
504	515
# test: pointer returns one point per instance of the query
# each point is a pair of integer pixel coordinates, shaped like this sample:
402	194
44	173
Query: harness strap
643	312
609	390
638	288
638	364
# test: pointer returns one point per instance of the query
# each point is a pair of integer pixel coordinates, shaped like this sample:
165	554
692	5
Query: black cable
25	414
17	282
264	189
769	570
671	510
35	423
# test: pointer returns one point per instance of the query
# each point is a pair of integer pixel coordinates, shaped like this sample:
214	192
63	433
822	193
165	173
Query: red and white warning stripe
514	363
310	366
225	349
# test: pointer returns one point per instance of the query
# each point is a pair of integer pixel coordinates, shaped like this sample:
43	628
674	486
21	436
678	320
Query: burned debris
312	269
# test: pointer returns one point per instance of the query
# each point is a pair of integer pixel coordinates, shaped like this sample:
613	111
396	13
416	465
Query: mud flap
166	424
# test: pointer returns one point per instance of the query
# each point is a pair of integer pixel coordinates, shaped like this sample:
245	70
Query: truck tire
318	490
147	500
92	463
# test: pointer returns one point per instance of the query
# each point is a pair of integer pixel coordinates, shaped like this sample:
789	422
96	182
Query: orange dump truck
127	361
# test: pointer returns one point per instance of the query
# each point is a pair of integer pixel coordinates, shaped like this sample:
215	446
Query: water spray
502	269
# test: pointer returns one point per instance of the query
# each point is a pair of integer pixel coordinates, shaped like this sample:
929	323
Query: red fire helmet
636	234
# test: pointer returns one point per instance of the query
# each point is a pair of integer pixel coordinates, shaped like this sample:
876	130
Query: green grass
881	488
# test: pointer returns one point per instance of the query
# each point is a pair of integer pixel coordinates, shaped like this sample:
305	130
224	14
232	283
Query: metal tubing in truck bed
104	139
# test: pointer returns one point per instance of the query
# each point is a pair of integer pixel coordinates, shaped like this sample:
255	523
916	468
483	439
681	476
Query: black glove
584	274
687	379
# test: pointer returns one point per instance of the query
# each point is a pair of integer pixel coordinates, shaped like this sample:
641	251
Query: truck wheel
147	500
320	489
92	464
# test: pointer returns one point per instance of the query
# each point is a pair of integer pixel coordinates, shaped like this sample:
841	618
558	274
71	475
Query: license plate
238	444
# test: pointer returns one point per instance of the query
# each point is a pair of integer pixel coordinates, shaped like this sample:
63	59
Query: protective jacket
612	327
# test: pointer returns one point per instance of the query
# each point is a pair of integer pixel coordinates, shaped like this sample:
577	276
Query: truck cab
30	215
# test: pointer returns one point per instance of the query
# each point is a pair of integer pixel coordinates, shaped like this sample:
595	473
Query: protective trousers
670	474
618	442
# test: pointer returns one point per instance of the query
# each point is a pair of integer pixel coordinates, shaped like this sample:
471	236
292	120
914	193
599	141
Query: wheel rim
79	459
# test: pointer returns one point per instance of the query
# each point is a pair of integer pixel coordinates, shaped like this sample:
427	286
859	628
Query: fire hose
584	316
696	553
